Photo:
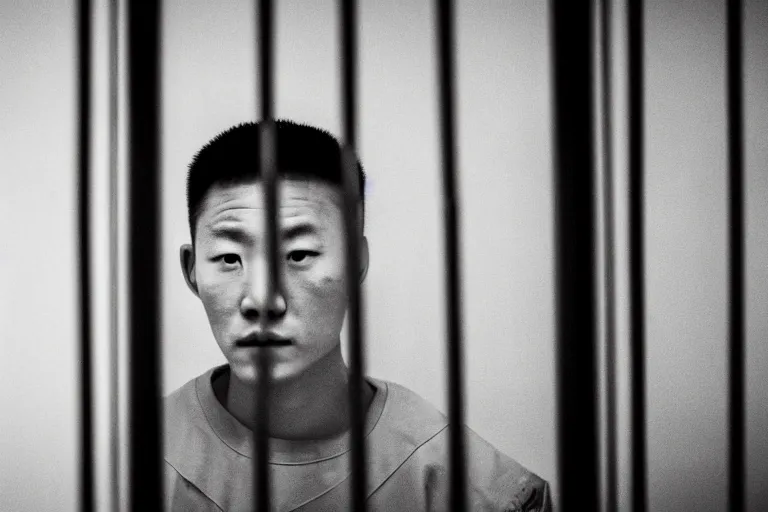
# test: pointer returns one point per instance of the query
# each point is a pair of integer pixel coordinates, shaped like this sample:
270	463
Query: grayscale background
505	166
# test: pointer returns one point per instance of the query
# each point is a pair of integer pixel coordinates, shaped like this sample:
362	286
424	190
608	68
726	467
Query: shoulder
401	425
189	443
407	410
184	421
498	482
181	400
180	408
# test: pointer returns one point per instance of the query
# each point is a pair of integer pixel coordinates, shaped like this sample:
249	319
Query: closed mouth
262	339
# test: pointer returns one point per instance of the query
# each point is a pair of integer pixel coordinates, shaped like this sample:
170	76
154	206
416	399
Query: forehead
307	199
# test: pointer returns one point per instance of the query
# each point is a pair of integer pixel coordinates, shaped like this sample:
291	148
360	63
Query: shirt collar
282	451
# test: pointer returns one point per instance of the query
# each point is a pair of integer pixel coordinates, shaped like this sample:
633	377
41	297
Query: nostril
251	313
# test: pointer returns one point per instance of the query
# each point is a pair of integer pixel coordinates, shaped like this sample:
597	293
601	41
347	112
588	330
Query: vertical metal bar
446	47
572	30
268	171
261	434
114	454
144	235
349	72
359	480
734	54
608	256
261	470
84	43
265	64
637	253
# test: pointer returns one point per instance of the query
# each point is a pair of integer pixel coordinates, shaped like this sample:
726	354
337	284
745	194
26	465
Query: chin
283	371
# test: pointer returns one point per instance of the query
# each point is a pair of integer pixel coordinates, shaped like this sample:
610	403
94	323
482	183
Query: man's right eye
230	259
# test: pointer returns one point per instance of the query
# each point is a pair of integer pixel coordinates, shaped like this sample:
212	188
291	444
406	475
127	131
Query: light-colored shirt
208	463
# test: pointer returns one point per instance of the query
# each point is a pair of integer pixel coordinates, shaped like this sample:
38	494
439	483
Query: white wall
38	322
505	161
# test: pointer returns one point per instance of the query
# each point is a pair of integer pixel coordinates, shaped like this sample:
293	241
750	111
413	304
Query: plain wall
506	174
38	309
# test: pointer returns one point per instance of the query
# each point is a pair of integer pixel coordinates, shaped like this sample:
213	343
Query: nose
255	303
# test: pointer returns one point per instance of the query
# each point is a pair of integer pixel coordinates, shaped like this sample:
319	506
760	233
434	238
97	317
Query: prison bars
609	287
573	197
737	352
144	225
637	253
96	185
265	67
446	49
572	30
350	179
84	48
114	274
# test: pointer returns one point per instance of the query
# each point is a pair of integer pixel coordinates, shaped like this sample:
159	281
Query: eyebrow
240	235
232	233
299	230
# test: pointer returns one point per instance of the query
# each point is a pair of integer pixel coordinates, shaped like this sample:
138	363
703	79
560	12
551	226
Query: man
209	420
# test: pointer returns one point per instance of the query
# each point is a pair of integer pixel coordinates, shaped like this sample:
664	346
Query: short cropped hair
232	158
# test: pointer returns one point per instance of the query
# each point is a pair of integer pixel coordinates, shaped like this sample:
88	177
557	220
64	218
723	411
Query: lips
262	339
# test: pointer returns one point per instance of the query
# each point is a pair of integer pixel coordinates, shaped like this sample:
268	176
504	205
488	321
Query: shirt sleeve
500	484
536	496
516	490
543	503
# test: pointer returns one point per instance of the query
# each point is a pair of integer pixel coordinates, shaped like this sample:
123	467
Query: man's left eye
300	256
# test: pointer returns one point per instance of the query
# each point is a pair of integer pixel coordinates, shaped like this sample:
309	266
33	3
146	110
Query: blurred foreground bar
262	487
577	396
636	78
736	398
144	420
348	45
87	452
606	71
446	48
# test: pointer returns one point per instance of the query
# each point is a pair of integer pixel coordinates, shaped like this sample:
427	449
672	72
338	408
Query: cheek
323	300
219	297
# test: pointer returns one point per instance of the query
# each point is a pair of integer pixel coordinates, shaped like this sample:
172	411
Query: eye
300	256
230	259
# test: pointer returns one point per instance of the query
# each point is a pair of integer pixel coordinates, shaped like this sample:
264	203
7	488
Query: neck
314	405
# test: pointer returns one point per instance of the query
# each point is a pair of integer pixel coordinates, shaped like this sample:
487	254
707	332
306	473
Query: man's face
229	272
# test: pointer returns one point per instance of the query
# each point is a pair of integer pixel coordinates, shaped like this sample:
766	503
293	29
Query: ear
187	257
364	257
